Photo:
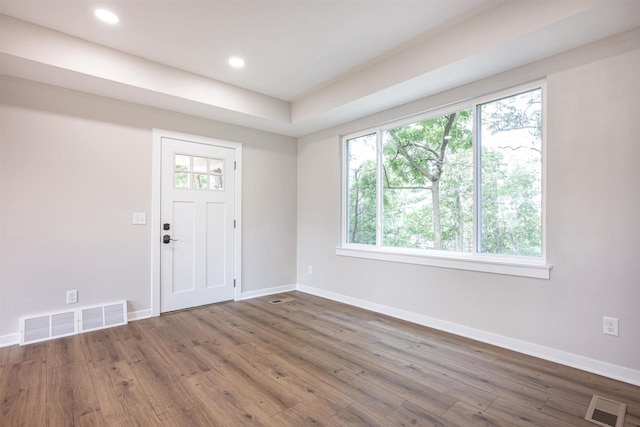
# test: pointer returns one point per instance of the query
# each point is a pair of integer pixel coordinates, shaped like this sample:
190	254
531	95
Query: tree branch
384	172
408	188
403	150
509	129
426	149
445	143
519	147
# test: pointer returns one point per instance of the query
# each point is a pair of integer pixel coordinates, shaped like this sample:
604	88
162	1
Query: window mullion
344	222
379	188
477	177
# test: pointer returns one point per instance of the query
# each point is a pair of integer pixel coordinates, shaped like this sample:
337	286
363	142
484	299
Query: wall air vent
103	316
48	326
605	412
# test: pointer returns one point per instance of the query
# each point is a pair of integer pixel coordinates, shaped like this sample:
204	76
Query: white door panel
181	252
216	239
198	202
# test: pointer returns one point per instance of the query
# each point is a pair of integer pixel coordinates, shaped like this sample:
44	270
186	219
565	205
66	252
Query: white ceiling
310	64
290	47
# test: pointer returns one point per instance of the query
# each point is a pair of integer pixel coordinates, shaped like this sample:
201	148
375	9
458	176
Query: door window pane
215	166
216	182
182	180
182	163
199	181
200	164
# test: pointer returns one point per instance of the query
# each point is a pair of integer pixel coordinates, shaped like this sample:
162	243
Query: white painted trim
237	294
156	192
139	315
268	291
543	170
471	262
11	339
620	373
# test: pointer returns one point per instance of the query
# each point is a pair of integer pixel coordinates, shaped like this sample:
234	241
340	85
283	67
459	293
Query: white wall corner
268	291
620	373
138	315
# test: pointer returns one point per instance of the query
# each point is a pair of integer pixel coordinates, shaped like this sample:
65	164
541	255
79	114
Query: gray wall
593	214
74	167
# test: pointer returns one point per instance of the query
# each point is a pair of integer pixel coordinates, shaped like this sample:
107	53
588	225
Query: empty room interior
336	213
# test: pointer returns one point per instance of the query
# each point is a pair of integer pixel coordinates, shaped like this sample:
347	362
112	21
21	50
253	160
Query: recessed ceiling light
107	16
236	62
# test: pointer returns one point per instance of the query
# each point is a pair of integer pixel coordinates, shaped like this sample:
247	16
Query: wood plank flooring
308	362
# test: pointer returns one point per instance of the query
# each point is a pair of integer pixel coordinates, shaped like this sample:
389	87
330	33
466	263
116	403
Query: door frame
156	193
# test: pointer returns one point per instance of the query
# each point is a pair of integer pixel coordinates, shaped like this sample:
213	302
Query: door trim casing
156	192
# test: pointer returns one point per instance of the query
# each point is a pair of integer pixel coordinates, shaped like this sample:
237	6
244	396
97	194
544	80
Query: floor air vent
45	327
280	300
605	412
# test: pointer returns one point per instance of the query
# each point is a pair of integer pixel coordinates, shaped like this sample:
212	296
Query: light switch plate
139	218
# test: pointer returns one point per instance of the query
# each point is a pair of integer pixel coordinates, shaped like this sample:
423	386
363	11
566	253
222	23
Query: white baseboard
599	367
11	339
138	315
268	291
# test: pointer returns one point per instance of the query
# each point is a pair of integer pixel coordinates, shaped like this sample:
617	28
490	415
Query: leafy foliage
361	195
511	175
428	181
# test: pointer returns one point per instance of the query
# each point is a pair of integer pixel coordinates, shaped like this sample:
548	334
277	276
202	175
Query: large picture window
465	182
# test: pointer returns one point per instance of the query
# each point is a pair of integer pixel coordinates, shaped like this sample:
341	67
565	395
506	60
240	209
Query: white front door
197	224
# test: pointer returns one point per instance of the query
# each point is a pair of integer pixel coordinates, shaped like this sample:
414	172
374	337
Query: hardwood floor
306	362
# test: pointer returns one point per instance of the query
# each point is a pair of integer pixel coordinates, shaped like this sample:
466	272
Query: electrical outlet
610	326
72	296
310	269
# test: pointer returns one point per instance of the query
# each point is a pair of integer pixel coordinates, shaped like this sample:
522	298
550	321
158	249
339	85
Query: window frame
516	265
191	172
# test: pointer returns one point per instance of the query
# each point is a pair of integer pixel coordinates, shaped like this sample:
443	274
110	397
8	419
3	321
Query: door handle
166	239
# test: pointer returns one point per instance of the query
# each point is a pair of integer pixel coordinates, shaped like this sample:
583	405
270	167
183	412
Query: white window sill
487	264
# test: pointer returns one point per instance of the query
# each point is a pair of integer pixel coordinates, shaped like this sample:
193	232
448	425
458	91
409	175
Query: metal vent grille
280	300
103	316
48	326
606	412
63	324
